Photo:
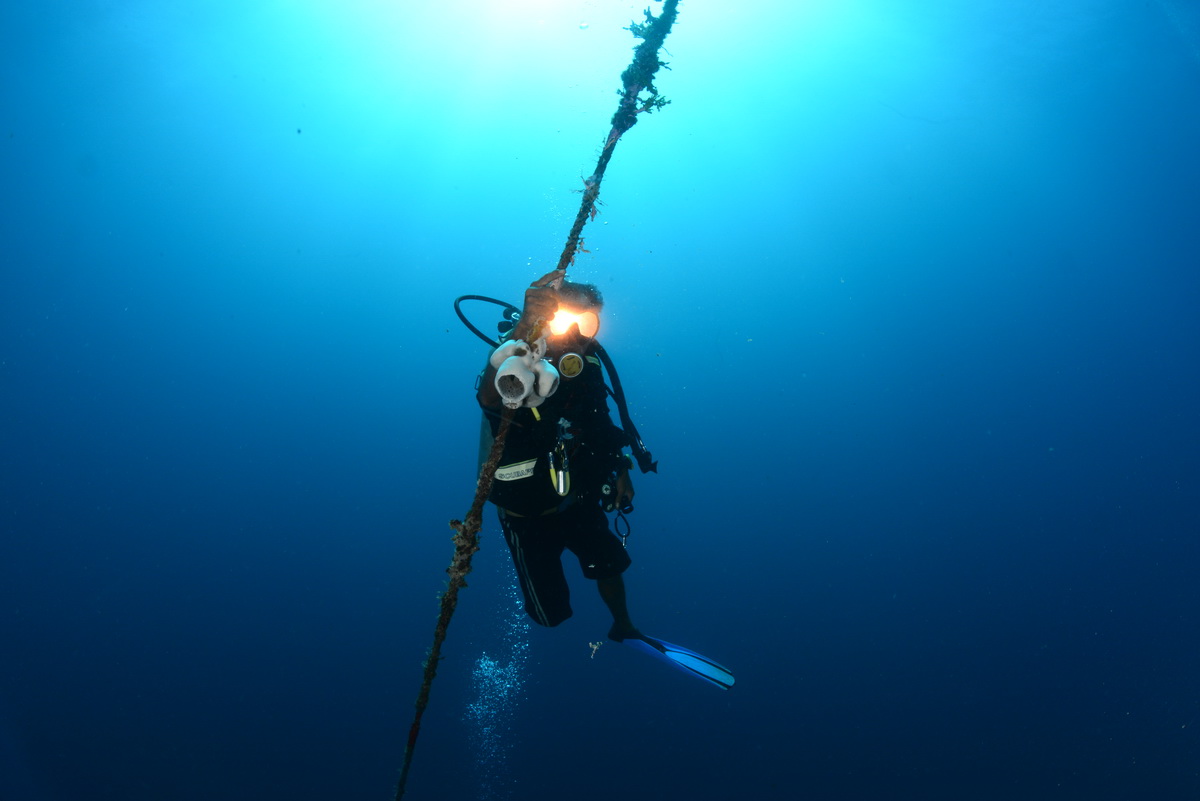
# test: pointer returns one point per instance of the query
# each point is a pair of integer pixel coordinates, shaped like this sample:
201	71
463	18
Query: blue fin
686	660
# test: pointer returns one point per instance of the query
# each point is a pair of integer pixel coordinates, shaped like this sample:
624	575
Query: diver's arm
540	304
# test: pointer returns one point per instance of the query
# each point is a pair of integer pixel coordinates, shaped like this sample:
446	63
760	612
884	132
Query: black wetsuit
538	522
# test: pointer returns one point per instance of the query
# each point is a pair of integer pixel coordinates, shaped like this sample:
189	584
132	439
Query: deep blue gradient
904	296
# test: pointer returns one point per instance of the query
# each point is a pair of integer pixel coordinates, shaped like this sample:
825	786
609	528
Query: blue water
904	298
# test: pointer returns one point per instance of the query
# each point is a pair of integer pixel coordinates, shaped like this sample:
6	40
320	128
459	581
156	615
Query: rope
466	543
637	78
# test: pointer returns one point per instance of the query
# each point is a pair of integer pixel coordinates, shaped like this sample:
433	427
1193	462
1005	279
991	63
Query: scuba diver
563	467
557	457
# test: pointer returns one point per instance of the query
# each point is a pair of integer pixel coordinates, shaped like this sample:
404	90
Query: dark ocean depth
904	296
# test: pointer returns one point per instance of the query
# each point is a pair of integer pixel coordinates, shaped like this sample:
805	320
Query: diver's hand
624	489
541	302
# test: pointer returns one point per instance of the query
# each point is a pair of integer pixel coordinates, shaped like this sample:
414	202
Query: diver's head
578	315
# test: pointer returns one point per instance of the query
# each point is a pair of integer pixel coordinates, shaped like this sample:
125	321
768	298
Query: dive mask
588	322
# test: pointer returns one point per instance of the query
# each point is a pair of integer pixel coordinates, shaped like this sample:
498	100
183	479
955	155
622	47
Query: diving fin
686	660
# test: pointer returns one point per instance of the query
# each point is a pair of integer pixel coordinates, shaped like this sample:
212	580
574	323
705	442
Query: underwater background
903	295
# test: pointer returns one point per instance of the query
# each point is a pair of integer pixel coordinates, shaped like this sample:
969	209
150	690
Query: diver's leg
603	559
612	592
537	556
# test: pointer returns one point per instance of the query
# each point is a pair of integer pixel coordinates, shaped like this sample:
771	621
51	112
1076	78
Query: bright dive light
588	321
